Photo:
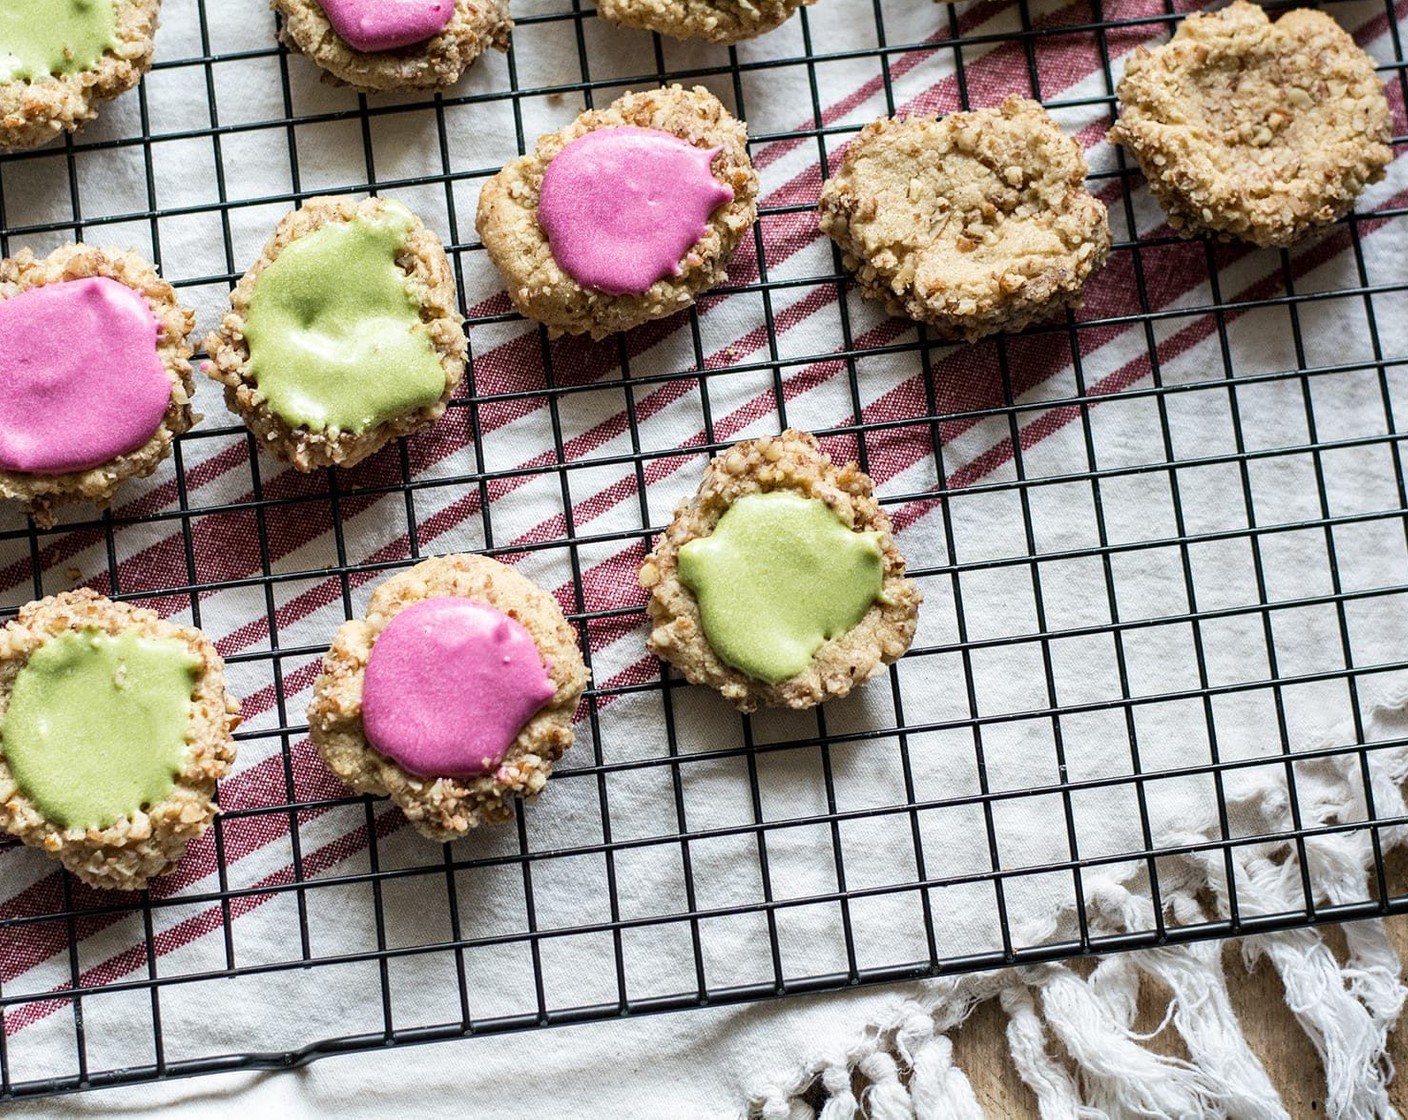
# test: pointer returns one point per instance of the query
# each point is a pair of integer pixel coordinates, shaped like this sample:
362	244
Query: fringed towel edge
1346	1009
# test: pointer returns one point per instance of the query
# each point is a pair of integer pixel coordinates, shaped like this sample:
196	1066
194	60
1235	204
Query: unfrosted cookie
344	335
455	694
410	44
719	21
114	727
626	215
95	375
1254	129
780	583
60	59
971	223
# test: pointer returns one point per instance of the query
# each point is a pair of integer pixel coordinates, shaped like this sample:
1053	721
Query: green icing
333	330
780	575
96	725
43	37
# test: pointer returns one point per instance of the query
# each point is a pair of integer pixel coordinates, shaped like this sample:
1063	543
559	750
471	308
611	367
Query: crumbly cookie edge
693	19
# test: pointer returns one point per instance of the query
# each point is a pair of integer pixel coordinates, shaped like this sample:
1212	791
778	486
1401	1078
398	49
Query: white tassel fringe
1106	1071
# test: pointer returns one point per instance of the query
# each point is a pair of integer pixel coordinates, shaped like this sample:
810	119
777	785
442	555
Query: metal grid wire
257	520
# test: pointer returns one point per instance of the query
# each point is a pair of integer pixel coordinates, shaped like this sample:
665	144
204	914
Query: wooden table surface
980	1048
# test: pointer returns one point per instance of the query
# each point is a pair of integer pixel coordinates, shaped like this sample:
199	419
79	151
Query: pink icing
622	206
384	25
80	378
449	686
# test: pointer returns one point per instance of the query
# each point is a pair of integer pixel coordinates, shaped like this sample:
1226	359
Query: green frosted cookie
60	59
96	725
46	38
114	728
780	583
334	334
344	335
780	575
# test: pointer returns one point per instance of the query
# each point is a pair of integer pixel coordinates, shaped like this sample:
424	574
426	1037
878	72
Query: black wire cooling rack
293	536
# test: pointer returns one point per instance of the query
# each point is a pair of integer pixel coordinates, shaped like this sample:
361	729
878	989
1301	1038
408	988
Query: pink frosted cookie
95	375
454	695
371	26
665	193
626	215
395	44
